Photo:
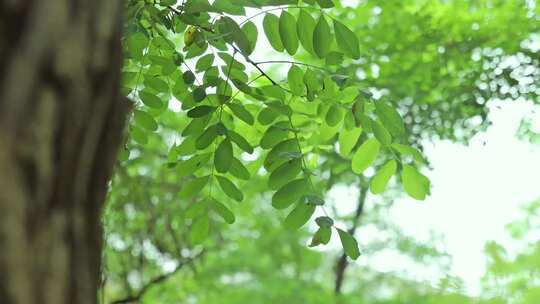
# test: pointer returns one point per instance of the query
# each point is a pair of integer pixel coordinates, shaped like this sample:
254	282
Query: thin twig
156	280
293	62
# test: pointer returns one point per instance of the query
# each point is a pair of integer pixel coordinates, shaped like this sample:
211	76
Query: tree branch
342	263
156	280
293	62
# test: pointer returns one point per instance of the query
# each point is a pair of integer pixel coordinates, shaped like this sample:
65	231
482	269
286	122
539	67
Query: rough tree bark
61	122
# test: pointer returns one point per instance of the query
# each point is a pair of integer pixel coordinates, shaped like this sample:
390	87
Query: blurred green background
447	64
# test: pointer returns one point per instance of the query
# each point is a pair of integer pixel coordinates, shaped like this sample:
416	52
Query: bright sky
477	190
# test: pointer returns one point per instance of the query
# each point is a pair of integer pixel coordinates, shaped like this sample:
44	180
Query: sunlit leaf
350	246
380	132
287	32
296	81
347	140
346	40
271	29
365	155
305	28
415	183
380	180
322	38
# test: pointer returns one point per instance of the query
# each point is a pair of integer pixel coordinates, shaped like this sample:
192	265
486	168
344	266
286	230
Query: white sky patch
477	190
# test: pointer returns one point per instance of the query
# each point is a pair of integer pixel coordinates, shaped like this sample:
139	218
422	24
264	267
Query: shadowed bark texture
61	121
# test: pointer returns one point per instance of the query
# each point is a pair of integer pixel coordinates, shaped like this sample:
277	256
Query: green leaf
287	32
299	216
156	84
271	29
199	230
199	94
197	6
228	6
312	81
281	108
193	187
195	209
240	141
187	147
188	77
415	183
350	246
381	133
305	28
365	155
314	199
200	111
190	166
136	43
222	210
238	170
274	158
365	122
250	30
273	91
381	179
284	173
223	156
272	136
240	111
195	126
144	120
221	129
390	118
334	58
229	188
408	150
290	193
228	27
322	38
322	236
204	63
296	81
334	115
267	116
347	140
325	3
324	221
206	138
231	62
150	100
346	40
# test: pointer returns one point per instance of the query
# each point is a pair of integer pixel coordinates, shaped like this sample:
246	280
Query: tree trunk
61	122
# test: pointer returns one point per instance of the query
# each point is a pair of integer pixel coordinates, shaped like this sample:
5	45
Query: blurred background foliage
440	63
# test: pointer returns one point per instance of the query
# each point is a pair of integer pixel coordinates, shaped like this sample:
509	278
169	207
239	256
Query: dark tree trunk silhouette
61	122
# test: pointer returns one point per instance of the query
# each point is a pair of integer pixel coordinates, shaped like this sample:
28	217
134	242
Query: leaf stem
293	62
279	8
